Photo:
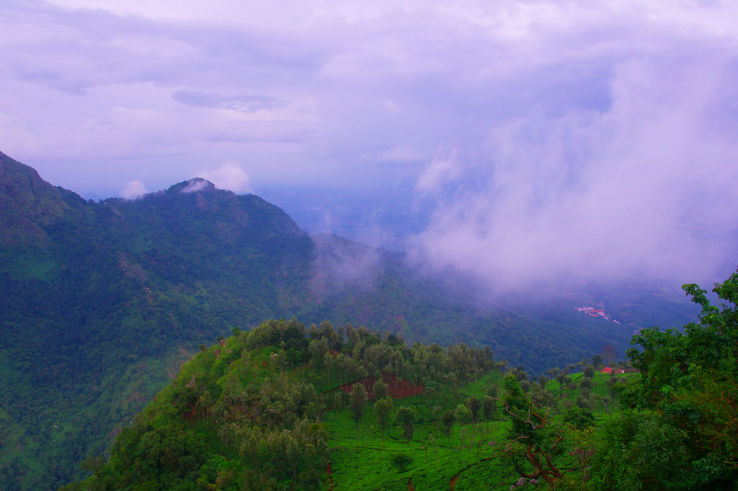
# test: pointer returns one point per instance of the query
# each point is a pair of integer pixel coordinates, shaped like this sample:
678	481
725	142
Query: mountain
286	407
101	302
270	408
27	204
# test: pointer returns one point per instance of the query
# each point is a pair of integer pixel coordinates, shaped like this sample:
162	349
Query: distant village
595	312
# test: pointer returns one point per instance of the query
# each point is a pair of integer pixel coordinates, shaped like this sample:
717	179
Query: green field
362	459
471	456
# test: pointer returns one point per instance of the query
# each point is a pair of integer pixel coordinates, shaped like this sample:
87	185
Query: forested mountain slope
287	407
101	301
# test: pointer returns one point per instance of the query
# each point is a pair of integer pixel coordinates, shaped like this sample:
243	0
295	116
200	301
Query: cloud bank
643	189
340	265
229	177
133	190
556	139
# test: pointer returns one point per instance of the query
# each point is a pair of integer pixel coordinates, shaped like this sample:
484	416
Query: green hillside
285	407
100	303
277	407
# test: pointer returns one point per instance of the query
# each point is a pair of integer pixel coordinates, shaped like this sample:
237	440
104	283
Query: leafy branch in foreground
534	438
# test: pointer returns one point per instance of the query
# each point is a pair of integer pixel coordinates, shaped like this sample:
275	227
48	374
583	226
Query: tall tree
489	407
463	415
474	405
380	389
358	399
406	418
383	409
447	421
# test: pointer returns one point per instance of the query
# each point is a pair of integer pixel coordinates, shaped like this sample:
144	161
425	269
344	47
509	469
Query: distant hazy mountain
100	302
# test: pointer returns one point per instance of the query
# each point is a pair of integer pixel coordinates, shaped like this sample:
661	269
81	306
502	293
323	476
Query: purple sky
568	138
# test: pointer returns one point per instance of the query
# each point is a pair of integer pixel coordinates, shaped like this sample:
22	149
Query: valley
101	301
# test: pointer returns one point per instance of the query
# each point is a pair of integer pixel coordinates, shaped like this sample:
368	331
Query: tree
583	448
462	415
317	350
474	405
383	409
561	378
447	421
541	397
579	418
667	359
358	399
489	407
534	438
689	384
406	417
379	389
642	451
586	382
402	462
93	464
542	379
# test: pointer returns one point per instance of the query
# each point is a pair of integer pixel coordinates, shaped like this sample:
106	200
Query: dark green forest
283	406
101	303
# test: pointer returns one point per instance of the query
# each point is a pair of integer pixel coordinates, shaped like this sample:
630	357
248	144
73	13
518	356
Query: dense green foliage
682	431
267	409
285	407
100	303
245	413
262	410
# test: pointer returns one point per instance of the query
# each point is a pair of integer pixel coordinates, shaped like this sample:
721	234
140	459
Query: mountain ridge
26	202
102	300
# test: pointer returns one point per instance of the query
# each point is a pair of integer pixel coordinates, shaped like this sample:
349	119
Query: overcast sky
556	138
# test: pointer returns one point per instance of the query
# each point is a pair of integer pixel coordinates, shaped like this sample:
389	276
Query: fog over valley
519	141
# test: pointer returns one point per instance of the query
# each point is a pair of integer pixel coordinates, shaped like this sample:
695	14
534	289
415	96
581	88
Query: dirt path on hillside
452	483
329	471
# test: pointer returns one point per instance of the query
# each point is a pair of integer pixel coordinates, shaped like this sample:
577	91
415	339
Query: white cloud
643	189
230	177
133	190
437	173
195	185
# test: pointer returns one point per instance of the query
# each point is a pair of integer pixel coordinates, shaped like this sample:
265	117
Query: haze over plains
554	140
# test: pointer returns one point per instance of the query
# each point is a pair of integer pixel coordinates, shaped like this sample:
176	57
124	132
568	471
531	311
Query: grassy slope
362	459
472	456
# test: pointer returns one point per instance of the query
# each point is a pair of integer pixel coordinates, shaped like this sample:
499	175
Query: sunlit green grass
362	459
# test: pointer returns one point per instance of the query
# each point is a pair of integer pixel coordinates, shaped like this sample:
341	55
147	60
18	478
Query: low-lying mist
645	189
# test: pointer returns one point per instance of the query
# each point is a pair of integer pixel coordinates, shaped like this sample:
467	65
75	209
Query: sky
551	139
